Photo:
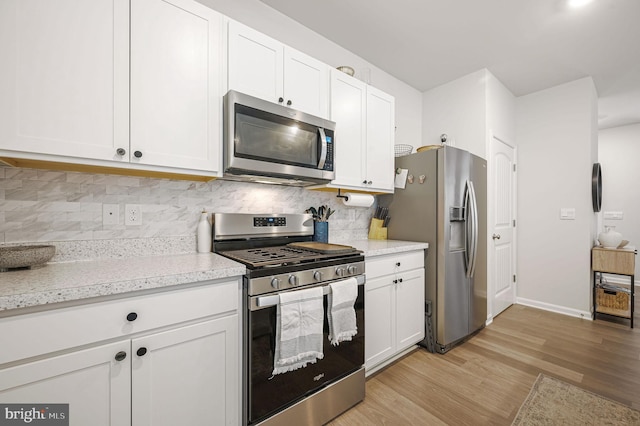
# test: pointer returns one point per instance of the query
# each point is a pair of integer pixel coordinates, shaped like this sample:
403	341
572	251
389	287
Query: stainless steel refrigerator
444	203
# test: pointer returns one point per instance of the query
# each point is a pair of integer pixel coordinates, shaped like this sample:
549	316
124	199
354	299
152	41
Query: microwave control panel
328	163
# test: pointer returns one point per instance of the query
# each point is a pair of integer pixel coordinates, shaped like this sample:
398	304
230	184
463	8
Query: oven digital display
269	221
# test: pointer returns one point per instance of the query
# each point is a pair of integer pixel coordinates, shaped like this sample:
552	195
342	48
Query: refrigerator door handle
471	238
468	238
474	224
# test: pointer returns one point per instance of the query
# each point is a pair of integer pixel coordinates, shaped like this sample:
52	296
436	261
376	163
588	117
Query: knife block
376	231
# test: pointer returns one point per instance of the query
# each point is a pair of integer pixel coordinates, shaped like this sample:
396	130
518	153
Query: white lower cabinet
187	375
159	374
95	385
394	301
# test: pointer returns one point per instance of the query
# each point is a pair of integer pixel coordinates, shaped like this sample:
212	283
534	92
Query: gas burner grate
274	256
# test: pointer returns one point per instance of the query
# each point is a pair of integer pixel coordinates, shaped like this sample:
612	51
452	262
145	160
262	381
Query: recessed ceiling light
578	3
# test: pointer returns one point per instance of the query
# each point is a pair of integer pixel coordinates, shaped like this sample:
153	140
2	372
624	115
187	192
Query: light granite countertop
75	281
382	247
86	279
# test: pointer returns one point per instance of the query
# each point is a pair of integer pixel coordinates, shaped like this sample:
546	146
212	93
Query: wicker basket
402	149
613	302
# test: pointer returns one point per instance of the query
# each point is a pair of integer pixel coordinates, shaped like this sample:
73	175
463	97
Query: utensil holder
321	232
376	231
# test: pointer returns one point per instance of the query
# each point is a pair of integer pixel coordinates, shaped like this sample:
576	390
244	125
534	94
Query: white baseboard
369	371
554	308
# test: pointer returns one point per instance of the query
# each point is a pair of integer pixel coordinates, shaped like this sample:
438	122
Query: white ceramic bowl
347	70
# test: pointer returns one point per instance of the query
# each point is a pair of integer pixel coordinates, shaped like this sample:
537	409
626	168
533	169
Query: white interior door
502	224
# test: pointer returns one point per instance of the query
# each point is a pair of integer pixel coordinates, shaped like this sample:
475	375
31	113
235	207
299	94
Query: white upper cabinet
348	110
116	83
265	68
380	140
365	128
65	77
255	64
176	102
306	83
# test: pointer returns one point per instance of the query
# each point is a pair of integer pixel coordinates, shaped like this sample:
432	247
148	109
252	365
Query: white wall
501	111
557	143
618	154
284	29
457	108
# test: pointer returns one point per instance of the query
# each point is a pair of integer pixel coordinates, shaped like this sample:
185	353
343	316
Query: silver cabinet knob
137	154
364	182
289	102
293	280
121	151
369	183
496	236
275	283
317	275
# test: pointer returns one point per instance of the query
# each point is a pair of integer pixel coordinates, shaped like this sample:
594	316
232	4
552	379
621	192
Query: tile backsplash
55	206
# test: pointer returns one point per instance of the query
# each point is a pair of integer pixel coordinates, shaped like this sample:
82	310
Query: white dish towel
298	330
341	313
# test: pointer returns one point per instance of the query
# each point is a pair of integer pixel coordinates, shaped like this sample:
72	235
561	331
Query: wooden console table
617	262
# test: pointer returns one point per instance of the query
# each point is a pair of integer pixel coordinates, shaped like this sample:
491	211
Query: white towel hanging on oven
340	311
298	330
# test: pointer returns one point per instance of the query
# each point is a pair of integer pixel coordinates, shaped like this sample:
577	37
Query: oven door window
269	394
260	135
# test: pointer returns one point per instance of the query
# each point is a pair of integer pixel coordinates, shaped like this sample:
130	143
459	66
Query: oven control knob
341	272
275	283
352	269
293	280
317	275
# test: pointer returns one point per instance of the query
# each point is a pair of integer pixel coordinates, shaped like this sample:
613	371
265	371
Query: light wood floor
486	379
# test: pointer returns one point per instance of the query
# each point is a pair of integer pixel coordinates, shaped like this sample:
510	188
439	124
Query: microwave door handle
323	152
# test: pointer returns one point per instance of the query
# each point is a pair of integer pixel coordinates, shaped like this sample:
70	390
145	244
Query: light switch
567	213
613	215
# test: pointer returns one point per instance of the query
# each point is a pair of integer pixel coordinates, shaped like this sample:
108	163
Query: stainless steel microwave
271	143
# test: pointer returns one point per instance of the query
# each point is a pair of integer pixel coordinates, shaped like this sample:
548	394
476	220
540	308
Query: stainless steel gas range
279	257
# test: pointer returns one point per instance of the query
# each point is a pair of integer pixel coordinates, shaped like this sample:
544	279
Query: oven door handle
273	300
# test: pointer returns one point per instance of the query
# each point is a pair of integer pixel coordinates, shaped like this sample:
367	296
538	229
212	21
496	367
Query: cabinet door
64	77
380	140
188	375
95	385
175	84
380	323
255	63
306	83
348	110
410	319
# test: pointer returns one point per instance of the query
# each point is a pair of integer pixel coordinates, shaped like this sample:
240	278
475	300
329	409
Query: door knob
496	236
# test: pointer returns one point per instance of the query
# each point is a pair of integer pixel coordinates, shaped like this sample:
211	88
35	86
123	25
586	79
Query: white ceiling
528	45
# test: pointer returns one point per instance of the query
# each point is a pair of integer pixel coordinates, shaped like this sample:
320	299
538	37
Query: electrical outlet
132	215
110	214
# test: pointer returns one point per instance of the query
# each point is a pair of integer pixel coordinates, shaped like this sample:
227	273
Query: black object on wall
596	187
